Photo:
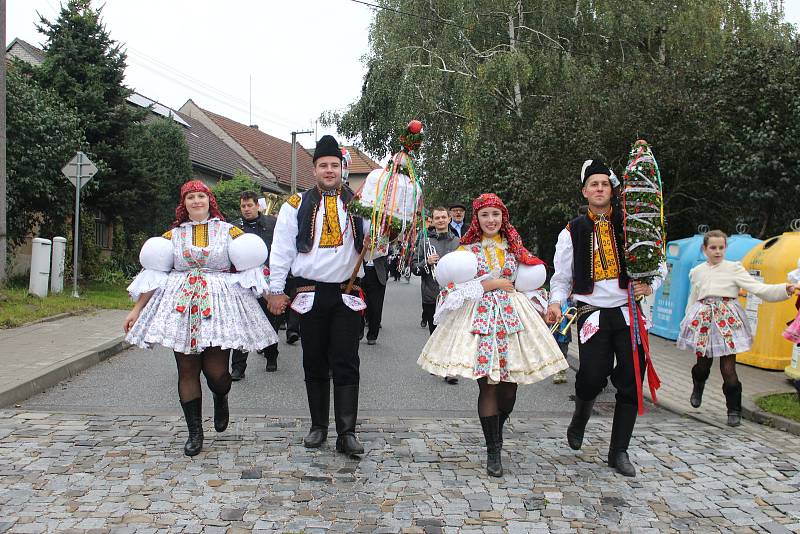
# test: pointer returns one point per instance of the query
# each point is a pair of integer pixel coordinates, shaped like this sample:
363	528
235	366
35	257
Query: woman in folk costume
188	300
488	331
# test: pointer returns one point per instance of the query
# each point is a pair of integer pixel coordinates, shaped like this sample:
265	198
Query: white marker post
79	171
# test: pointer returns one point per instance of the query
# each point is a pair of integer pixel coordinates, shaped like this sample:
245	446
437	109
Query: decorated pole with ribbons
643	215
391	198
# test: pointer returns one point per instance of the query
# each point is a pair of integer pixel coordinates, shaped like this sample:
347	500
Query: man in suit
376	273
457	225
252	222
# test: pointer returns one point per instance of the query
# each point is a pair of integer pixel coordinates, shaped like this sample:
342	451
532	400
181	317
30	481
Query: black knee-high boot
503	418
577	427
345	410
193	413
491	432
733	400
699	378
319	405
621	432
221	412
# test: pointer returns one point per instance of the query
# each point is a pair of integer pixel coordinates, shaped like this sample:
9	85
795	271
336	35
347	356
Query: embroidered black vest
307	215
581	230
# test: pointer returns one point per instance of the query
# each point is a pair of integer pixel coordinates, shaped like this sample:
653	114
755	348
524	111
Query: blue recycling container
682	256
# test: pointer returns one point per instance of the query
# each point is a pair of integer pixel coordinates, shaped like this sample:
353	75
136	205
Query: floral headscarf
507	230
195	186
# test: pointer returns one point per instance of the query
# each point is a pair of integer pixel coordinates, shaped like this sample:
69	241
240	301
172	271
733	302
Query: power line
172	72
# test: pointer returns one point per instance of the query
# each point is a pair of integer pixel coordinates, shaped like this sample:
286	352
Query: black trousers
374	292
427	315
292	317
329	336
597	359
239	357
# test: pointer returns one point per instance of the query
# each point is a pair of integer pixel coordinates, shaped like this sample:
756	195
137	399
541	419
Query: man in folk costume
320	242
590	266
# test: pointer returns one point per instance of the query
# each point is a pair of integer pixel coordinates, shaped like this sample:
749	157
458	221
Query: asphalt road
145	381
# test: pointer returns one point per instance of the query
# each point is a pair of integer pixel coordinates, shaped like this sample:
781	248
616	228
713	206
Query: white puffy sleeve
284	249
454	296
157	260
561	282
249	254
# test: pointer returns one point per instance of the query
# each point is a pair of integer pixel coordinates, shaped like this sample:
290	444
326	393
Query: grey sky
304	55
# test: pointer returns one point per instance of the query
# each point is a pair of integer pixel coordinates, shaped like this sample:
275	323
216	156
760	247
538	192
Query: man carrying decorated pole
590	265
321	242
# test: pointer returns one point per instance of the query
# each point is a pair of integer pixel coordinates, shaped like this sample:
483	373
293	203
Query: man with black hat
320	242
457	213
590	266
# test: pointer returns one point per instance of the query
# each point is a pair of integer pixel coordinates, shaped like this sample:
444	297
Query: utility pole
3	214
294	157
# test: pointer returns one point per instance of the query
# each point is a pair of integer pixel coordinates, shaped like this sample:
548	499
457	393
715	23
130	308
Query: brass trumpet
272	200
571	314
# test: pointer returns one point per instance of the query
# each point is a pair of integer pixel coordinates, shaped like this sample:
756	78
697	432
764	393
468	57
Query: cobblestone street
100	473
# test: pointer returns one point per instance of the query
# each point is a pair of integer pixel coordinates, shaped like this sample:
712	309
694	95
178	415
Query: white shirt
334	264
606	293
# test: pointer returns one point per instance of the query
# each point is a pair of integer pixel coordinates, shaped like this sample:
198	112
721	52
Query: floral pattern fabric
200	304
714	327
499	336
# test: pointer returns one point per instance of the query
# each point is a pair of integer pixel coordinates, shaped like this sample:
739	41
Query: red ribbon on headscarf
195	186
507	230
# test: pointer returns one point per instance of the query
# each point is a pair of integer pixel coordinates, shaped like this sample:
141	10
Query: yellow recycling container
770	262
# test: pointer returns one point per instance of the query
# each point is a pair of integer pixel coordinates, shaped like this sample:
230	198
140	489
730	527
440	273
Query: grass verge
783	404
17	307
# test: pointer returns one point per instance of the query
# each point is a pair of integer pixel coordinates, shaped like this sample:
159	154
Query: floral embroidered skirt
524	357
715	327
235	320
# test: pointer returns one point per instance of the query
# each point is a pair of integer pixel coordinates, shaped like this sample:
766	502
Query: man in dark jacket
252	222
430	249
457	224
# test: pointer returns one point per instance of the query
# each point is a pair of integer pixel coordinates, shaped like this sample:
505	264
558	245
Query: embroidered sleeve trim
235	232
294	201
167	235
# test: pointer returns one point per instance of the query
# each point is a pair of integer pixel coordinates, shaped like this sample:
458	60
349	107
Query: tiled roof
360	163
25	51
207	150
273	153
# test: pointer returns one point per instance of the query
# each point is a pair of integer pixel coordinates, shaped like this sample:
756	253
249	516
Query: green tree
515	94
43	136
227	193
86	68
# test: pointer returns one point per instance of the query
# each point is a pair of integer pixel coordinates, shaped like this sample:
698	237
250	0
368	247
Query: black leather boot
577	427
699	383
193	413
221	413
319	403
621	432
272	363
238	364
733	400
503	418
345	409
491	432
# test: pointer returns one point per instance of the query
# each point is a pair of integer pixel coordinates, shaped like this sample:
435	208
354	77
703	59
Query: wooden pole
355	270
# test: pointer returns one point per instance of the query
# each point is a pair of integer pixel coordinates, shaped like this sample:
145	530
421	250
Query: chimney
254	126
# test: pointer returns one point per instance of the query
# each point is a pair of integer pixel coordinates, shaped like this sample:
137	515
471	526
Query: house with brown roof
360	166
270	153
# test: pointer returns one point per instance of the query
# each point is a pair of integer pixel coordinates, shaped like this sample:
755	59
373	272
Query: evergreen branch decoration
643	209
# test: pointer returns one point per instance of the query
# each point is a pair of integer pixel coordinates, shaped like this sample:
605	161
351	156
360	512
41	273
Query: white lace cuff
455	297
147	280
256	278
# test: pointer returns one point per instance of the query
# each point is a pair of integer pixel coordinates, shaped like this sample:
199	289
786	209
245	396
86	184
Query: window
102	231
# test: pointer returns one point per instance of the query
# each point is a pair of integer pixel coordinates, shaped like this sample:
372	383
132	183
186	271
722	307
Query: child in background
715	325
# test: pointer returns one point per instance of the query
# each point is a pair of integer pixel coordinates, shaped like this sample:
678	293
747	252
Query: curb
54	374
752	412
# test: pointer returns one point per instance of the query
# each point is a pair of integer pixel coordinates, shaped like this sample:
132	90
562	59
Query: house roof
360	163
207	150
25	51
273	153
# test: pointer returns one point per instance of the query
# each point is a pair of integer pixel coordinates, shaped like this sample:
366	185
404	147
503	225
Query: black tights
213	361
496	398
727	366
